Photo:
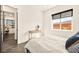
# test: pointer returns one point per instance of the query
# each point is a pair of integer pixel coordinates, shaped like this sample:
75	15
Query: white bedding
46	45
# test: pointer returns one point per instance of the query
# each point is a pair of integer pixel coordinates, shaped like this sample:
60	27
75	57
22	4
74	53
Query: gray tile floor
10	46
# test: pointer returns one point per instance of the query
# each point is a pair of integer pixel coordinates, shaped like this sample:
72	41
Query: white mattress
46	45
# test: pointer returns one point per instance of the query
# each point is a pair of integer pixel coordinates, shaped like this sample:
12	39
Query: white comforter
46	45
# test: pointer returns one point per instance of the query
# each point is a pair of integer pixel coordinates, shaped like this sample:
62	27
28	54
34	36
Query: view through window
63	20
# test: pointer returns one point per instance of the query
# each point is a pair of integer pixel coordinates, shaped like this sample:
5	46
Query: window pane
66	19
66	26
56	24
56	21
57	16
66	23
66	14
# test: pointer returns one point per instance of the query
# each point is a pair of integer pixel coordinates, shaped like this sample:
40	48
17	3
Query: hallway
10	45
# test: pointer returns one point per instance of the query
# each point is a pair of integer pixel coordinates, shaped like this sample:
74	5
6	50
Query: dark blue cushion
72	40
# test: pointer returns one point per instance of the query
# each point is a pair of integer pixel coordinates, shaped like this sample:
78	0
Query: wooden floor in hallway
10	45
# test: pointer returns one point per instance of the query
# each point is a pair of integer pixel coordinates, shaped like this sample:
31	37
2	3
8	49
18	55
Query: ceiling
41	7
46	7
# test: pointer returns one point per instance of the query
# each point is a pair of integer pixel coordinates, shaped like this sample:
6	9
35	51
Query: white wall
28	17
47	20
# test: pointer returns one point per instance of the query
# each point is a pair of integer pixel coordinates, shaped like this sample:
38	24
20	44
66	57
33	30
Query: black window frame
61	14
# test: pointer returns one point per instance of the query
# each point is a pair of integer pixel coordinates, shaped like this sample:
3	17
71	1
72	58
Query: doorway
9	28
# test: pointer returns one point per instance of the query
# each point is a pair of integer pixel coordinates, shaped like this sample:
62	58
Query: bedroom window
63	20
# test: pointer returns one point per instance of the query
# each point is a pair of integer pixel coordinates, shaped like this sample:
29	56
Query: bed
46	44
